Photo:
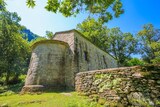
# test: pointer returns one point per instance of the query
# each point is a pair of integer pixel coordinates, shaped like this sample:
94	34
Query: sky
38	20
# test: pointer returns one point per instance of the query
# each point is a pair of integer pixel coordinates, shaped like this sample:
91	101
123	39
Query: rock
150	102
32	88
155	92
153	95
158	82
151	81
139	89
137	95
93	92
137	75
132	89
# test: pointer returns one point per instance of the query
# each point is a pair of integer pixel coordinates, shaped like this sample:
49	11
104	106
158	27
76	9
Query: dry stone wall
130	86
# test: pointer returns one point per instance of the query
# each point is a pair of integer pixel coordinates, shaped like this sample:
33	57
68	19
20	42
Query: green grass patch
55	99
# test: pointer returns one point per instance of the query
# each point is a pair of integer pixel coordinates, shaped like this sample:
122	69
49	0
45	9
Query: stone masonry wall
90	57
50	66
66	37
129	86
54	63
86	56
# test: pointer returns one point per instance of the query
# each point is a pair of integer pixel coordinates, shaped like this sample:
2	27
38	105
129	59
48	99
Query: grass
55	99
9	97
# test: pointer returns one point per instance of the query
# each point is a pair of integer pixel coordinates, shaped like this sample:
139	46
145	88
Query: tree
104	9
156	46
149	40
120	45
134	62
14	50
36	40
49	34
94	30
2	5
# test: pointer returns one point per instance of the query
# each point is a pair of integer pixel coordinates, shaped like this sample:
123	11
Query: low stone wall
129	86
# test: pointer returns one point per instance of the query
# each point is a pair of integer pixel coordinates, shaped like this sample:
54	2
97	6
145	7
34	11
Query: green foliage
2	5
3	89
123	45
16	88
30	3
101	101
7	93
36	40
134	62
156	47
105	81
98	81
52	5
49	35
104	9
149	40
14	50
120	45
103	86
102	76
94	30
22	78
108	84
157	102
141	102
116	81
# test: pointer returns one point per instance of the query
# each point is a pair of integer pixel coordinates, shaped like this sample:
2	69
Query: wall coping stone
49	42
108	70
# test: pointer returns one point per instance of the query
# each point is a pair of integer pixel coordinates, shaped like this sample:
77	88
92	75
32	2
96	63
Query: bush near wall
127	86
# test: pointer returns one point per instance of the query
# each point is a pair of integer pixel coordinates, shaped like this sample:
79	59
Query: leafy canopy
14	50
49	35
120	45
134	62
149	40
105	10
94	30
2	5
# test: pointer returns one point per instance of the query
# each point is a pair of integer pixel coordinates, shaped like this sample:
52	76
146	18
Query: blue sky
38	20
